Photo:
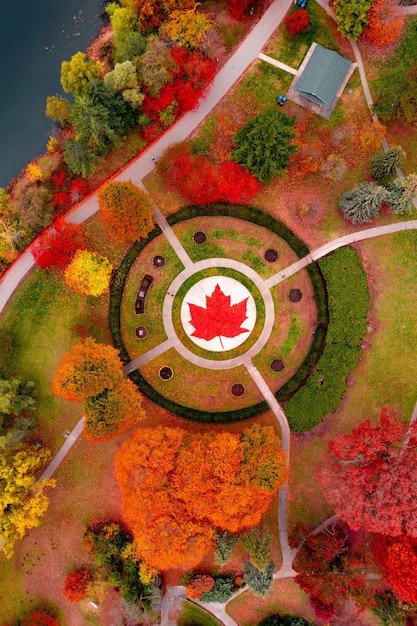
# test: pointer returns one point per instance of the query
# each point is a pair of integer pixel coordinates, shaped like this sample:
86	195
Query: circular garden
203	370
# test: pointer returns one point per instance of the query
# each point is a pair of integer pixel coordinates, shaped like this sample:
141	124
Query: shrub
297	22
284	620
321	394
259	582
42	617
198	586
225	542
76	585
221	590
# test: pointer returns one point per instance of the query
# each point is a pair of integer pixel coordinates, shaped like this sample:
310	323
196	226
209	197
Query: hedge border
256	216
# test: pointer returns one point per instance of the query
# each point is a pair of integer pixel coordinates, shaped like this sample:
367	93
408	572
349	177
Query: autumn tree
76	585
239	9
87	370
384	165
402	194
16	395
41	617
398	558
76	73
126	211
352	17
129	42
56	246
363	203
263	145
16	434
331	568
23	500
202	182
369	476
152	13
155	64
186	28
297	22
88	273
113	411
385	22
176	487
58	109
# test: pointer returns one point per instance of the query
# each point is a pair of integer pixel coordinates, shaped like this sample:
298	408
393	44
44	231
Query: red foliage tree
330	567
76	585
398	557
202	182
57	245
40	618
176	487
297	22
239	9
385	22
370	476
191	74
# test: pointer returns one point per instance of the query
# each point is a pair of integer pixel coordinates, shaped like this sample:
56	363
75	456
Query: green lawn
192	615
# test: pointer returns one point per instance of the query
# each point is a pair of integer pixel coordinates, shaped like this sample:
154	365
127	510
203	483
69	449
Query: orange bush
198	586
76	585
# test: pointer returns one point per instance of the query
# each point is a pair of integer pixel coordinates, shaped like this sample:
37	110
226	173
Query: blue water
35	37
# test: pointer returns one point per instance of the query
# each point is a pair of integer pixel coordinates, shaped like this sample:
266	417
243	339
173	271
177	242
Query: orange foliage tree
87	370
177	487
385	22
113	411
125	210
198	586
398	557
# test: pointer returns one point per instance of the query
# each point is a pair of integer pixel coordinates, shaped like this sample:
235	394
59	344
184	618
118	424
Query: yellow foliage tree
23	501
34	173
76	73
88	273
186	27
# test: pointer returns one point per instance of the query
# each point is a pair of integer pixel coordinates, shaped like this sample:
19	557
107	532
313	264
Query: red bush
297	22
239	9
76	585
40	618
78	189
57	245
202	182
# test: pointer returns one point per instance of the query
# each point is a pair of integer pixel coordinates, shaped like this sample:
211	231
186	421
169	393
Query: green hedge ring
256	216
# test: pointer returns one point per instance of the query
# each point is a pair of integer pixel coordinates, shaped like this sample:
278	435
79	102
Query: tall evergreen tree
402	193
363	203
384	165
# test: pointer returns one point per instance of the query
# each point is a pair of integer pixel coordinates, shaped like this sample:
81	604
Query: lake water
35	37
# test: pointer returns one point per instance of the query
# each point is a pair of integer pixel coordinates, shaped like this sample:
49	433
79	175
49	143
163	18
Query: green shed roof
322	76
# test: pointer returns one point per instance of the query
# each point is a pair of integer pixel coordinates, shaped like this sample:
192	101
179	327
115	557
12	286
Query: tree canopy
87	370
176	487
126	211
370	476
363	203
16	394
77	72
23	501
352	17
263	145
88	273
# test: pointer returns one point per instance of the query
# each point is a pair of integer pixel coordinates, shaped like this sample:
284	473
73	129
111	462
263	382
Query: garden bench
142	293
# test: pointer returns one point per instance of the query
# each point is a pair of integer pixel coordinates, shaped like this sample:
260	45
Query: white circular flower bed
218	313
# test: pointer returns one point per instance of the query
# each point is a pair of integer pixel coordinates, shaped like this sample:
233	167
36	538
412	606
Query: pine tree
258	547
363	203
384	165
402	194
225	542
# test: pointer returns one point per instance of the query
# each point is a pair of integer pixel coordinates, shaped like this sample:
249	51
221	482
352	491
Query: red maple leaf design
219	318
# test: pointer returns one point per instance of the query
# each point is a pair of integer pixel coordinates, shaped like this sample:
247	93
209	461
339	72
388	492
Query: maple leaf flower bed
219	347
